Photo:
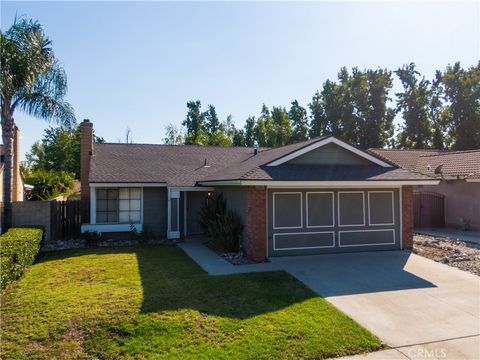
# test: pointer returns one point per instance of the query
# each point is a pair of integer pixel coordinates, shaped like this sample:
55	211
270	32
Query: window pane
135	205
123	205
101	217
102	205
135	193
123	217
124	193
112	193
101	193
112	205
135	216
112	217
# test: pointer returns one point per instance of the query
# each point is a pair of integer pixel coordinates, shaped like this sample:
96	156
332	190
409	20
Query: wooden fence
66	219
428	209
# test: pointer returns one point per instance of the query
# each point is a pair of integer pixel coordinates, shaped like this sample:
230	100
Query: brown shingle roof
437	163
184	165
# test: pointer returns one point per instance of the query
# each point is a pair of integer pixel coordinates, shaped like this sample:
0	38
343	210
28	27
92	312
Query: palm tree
31	80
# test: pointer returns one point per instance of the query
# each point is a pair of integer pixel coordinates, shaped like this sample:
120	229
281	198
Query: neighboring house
19	187
316	196
459	175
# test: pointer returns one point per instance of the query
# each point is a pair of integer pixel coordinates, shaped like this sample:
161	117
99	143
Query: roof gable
329	151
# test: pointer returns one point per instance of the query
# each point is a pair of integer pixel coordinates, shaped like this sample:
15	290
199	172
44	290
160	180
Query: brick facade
407	216
86	151
256	241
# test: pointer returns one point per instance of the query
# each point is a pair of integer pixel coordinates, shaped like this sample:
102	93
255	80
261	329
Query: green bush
92	237
18	249
48	184
223	227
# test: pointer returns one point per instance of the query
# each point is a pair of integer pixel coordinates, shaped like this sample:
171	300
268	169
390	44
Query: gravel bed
460	254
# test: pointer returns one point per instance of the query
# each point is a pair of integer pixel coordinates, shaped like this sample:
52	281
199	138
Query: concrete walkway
454	234
408	301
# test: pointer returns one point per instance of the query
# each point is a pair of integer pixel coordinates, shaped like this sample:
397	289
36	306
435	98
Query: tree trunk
8	129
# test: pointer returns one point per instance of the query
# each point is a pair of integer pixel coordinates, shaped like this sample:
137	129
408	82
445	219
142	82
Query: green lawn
154	302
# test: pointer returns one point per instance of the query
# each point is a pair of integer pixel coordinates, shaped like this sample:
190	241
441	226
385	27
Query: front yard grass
154	302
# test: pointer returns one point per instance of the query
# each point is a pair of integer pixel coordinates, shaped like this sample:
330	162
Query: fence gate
428	209
66	218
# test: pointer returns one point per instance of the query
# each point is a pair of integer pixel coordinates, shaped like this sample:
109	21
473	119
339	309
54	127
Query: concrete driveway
413	304
420	308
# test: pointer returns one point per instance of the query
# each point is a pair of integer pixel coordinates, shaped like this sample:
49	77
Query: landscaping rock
460	254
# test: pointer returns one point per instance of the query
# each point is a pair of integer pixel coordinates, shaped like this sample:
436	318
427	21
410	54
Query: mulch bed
460	254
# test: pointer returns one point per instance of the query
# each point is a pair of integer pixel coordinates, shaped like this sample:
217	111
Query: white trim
126	185
272	184
267	220
185	214
338	207
173	194
307	247
400	203
472	180
356	245
301	210
324	142
93	206
333	209
393	208
104	228
193	188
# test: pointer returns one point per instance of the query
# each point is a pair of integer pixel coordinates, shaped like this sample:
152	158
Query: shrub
18	249
47	185
223	227
92	237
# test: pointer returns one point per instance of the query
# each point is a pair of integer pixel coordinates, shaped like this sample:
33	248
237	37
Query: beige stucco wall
462	200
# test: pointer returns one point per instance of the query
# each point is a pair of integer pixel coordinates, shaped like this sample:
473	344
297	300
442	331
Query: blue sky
136	64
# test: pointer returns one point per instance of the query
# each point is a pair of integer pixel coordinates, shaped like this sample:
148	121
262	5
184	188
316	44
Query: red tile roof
442	164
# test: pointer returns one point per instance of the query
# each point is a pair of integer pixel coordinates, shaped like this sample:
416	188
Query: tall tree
249	131
282	126
195	124
212	121
462	93
59	150
32	80
298	116
414	104
173	135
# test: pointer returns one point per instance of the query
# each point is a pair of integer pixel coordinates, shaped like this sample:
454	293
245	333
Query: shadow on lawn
175	282
171	281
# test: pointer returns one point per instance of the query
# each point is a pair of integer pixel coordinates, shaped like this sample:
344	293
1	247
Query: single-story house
455	202
317	196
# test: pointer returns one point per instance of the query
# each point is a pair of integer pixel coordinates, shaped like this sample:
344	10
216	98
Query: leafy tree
298	116
260	132
195	124
415	104
174	136
462	93
282	126
49	184
32	80
217	132
59	150
250	135
438	115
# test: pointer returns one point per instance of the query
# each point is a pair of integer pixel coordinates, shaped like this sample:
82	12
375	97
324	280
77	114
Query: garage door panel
287	210
366	237
320	209
297	241
316	221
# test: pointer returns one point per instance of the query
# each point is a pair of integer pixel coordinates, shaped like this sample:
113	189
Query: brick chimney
86	151
17	183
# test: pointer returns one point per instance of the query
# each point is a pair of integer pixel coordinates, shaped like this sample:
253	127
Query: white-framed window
118	205
320	209
381	208
287	210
